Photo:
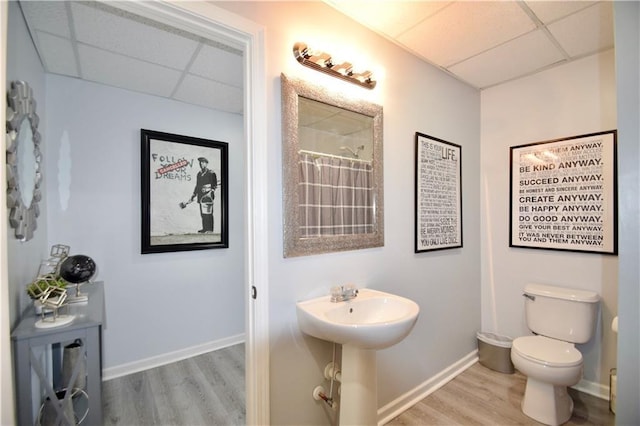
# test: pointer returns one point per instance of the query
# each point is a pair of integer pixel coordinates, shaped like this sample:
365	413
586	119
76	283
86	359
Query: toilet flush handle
528	296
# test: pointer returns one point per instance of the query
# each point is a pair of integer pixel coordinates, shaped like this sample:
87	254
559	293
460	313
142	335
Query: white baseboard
168	358
409	399
592	388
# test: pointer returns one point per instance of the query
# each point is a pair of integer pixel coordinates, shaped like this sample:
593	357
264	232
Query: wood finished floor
204	390
209	390
480	396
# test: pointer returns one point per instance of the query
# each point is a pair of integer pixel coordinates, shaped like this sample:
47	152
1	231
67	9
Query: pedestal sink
371	321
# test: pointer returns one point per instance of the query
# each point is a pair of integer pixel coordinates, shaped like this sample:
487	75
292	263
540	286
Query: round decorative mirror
23	160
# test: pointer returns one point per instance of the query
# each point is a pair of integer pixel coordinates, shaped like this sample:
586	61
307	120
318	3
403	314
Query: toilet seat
547	351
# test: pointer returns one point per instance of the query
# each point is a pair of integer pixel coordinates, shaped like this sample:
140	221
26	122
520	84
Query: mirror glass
327	129
332	168
23	160
26	163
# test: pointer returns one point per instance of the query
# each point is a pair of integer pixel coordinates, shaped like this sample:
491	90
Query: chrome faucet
343	292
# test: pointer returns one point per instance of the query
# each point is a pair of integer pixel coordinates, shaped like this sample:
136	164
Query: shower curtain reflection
335	195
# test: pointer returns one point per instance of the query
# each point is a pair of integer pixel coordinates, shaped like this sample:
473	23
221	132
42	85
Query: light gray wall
24	257
446	284
155	303
568	100
627	36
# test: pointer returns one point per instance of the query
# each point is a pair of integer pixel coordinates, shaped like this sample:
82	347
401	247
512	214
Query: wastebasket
494	352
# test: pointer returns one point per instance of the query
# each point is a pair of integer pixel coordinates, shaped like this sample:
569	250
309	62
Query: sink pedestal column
359	387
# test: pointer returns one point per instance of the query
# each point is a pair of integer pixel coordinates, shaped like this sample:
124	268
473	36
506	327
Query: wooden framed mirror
332	171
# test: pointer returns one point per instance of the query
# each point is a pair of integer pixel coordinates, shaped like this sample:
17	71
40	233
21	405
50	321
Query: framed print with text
564	194
184	193
438	194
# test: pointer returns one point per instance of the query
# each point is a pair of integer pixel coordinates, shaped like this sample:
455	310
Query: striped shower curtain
336	196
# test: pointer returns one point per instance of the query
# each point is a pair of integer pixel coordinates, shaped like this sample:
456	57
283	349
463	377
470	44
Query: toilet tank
561	313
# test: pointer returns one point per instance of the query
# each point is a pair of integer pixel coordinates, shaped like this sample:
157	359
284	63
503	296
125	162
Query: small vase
39	308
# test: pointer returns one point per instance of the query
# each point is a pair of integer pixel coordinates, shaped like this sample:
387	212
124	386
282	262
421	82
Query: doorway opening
209	21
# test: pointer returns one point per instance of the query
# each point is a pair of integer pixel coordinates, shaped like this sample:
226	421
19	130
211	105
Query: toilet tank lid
574	294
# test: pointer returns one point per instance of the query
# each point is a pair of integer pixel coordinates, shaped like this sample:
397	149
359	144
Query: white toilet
560	317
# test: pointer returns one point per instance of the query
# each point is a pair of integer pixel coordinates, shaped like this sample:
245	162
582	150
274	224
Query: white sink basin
372	320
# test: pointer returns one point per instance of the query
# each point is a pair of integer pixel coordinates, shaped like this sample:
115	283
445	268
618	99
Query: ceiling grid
486	43
482	43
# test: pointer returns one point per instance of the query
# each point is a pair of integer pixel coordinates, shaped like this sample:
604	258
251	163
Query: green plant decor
42	284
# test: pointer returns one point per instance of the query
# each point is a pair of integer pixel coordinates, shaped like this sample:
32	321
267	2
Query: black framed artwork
184	193
438	194
563	194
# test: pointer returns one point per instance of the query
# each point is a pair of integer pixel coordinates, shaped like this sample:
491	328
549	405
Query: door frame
210	21
7	407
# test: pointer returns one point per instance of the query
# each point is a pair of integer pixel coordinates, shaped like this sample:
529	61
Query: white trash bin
494	352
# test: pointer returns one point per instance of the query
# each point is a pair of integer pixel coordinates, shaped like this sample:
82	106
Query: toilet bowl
550	366
560	318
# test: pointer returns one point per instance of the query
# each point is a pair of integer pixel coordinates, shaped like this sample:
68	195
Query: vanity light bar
321	61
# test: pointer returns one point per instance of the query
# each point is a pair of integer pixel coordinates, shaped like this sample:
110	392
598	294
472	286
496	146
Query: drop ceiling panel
127	73
217	64
208	93
524	55
482	43
587	31
549	11
127	37
464	29
453	35
57	54
99	42
47	16
397	19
